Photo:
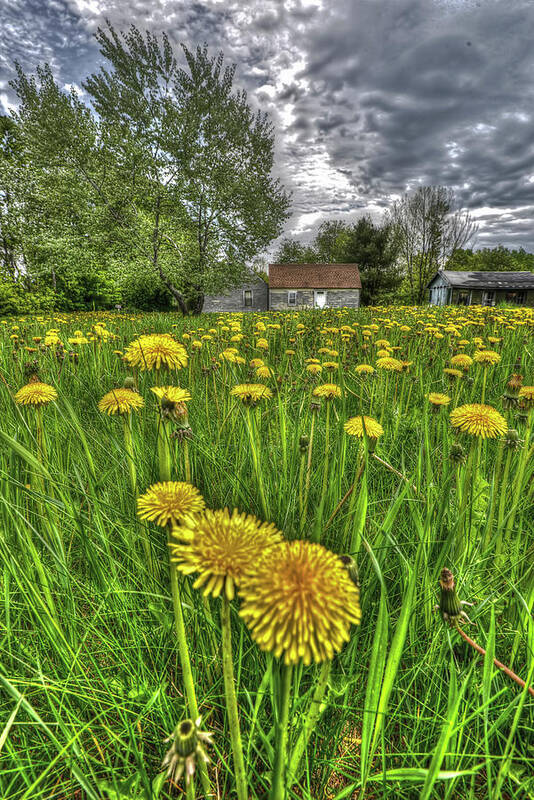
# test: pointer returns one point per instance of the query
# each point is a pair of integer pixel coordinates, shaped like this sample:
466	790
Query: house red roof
314	276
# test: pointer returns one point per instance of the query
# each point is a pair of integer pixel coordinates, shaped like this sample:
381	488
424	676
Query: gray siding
343	297
439	292
334	298
234	299
278	299
476	296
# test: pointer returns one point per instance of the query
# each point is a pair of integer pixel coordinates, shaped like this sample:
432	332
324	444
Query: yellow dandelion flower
263	344
35	393
327	390
462	360
222	548
330	365
52	339
357	426
156	350
264	372
251	393
175	394
121	401
170	502
299	602
453	373
526	393
487	357
364	369
477	419
390	364
383	353
314	369
437	399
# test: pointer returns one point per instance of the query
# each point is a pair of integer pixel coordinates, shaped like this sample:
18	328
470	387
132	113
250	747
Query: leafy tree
429	232
174	160
373	247
292	251
10	157
495	259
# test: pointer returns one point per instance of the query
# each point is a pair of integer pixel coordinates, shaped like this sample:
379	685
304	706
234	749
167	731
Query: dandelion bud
185	738
515	382
186	749
167	404
511	439
457	454
182	432
510	399
304	442
30	370
129	383
352	568
449	605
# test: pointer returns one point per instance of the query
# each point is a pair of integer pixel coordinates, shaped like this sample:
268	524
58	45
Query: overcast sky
369	97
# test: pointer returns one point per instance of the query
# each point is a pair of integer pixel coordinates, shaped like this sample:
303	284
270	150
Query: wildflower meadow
278	555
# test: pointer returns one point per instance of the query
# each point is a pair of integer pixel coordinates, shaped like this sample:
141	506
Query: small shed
313	286
250	296
451	287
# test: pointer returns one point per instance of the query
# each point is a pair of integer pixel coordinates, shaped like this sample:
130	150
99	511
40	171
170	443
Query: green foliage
172	174
90	681
496	259
428	232
15	298
373	247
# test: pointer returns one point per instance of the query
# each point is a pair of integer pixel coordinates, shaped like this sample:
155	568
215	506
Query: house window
518	298
488	298
292	298
464	298
247	297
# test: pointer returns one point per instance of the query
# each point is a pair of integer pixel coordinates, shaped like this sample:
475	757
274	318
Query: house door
319	298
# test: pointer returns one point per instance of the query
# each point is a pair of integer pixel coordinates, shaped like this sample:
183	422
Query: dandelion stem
187	674
255	460
190	789
502	504
130	455
187	463
164	452
231	701
129	450
278	788
314	712
498	664
326	451
308	474
518	483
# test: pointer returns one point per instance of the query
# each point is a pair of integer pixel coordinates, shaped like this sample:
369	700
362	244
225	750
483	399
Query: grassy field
98	629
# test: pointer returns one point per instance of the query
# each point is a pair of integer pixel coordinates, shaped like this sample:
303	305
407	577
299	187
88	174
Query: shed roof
487	280
314	276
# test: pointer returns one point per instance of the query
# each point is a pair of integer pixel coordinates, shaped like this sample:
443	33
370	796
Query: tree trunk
196	303
178	296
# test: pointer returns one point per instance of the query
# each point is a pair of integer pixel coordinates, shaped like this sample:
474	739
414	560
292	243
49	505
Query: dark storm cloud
369	98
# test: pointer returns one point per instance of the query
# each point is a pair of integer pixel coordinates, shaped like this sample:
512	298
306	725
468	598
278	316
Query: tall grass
90	678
